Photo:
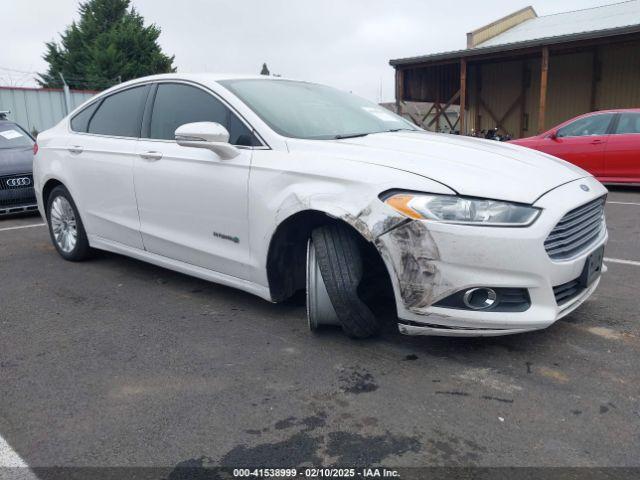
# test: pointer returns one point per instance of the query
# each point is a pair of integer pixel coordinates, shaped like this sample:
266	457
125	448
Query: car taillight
35	148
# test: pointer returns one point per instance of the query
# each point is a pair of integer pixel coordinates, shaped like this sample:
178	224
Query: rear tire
340	261
65	226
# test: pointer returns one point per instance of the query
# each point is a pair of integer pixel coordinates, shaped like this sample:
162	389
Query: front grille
16	198
567	291
5	182
577	230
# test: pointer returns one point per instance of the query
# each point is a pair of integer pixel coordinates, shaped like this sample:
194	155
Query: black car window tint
120	114
177	104
80	121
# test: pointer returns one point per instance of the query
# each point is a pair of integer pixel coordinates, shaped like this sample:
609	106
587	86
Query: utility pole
67	95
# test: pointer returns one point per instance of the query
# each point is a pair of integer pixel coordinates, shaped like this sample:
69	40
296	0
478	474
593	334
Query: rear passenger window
80	122
177	104
628	123
120	114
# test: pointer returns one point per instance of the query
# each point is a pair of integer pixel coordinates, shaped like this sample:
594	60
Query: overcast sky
345	43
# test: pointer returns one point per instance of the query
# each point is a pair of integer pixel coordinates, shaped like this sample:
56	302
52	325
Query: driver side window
587	126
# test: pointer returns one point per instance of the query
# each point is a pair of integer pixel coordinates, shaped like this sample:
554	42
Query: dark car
16	170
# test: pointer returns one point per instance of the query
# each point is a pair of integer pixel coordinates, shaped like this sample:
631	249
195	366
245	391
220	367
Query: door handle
596	142
76	149
151	156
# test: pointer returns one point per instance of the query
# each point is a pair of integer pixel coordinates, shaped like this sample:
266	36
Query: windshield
308	110
12	136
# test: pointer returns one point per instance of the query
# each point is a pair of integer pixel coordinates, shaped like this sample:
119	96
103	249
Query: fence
425	116
37	109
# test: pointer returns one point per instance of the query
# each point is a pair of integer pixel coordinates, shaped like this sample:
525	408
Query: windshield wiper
351	135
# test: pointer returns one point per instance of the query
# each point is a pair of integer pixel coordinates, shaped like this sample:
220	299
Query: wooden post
523	96
476	94
399	89
595	78
544	71
438	110
463	94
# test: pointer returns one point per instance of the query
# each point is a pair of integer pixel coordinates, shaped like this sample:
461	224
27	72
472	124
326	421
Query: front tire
65	226
340	261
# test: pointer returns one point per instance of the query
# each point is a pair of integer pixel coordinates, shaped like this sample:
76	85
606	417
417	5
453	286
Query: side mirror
209	135
553	135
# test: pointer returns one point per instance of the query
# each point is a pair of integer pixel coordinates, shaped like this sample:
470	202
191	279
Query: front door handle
76	149
151	156
597	142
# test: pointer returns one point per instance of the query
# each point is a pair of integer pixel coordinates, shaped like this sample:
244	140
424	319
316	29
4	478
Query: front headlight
466	211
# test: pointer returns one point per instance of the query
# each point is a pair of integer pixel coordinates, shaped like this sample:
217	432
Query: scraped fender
345	194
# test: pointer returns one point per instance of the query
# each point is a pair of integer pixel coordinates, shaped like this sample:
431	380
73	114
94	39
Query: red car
605	143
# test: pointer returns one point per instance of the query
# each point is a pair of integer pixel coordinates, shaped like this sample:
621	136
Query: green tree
110	43
265	70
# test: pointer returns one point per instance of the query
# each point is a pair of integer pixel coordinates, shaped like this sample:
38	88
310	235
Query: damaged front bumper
428	261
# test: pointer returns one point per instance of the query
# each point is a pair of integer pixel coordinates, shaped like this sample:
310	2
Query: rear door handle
596	142
76	149
151	156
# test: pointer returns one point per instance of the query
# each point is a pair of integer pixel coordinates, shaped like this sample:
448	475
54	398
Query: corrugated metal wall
569	87
620	83
569	93
498	95
438	83
38	109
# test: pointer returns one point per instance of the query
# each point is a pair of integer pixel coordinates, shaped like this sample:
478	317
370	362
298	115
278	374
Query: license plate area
592	267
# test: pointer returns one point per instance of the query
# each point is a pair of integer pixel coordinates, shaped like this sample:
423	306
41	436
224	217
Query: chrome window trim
264	146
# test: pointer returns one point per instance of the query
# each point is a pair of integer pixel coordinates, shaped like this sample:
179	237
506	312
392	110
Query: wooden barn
525	73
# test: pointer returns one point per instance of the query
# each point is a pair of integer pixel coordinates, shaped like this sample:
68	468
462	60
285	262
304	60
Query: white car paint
166	209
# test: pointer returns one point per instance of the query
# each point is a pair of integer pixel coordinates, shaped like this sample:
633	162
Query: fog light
479	298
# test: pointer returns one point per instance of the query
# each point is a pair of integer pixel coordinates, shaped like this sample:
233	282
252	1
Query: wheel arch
287	253
48	187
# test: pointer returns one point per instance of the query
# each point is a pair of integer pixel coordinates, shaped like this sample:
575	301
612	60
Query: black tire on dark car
80	250
340	262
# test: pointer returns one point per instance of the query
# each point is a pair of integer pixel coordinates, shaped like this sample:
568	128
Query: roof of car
204	77
615	110
194	77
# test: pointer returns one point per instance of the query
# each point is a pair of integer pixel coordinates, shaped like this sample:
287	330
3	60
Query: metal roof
578	21
596	22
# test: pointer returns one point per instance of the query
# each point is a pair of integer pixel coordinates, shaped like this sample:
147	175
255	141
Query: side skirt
178	266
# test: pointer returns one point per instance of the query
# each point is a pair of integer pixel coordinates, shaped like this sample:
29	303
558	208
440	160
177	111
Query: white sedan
276	186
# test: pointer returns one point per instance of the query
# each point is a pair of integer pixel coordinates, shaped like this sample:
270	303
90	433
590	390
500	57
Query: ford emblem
585	187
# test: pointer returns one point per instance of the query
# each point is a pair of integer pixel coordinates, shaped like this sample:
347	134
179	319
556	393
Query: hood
470	166
15	160
530	142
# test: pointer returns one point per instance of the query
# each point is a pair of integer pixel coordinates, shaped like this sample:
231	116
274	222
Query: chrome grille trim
576	231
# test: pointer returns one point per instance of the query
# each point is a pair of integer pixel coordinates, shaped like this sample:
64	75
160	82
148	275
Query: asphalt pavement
114	362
